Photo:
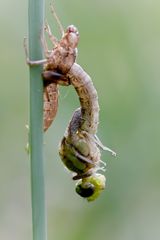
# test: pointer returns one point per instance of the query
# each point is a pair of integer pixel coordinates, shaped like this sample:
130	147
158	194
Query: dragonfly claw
101	146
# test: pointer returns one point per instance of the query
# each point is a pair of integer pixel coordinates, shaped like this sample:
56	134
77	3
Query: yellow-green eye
91	187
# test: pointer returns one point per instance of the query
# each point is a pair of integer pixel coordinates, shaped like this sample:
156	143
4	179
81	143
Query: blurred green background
120	48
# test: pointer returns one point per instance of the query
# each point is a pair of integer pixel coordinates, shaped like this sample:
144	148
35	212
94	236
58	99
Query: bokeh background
120	48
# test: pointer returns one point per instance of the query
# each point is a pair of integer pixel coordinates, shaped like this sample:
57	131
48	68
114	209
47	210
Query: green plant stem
36	23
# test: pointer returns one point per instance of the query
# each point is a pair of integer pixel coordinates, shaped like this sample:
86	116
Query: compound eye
91	187
85	190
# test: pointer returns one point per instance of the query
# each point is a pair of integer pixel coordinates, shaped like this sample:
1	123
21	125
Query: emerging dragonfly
80	147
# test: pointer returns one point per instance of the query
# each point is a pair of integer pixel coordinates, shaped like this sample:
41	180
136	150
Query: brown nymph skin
59	61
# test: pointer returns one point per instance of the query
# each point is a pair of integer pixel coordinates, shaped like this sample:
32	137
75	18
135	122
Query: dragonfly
80	147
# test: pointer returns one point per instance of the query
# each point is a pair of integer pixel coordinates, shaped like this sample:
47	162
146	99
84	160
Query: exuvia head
72	36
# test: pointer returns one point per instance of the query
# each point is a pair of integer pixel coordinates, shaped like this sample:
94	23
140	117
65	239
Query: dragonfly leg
50	35
32	62
57	19
100	145
45	46
82	176
83	159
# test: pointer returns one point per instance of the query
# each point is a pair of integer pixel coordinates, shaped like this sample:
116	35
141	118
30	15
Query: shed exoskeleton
58	60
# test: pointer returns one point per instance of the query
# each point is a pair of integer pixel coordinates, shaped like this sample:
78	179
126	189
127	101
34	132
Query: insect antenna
57	19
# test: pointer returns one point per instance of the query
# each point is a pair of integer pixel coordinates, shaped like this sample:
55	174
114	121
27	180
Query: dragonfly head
91	187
